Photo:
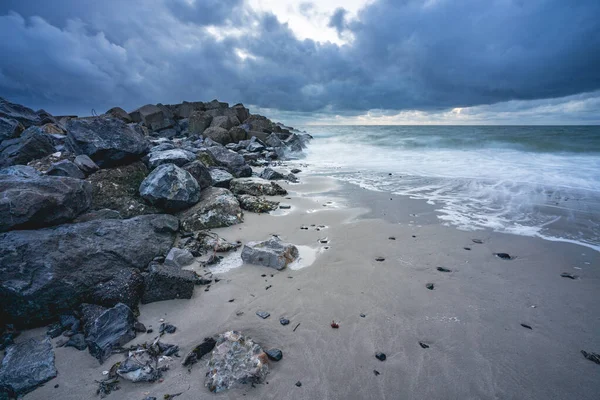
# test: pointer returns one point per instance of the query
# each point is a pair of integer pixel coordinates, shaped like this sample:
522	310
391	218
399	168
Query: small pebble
442	269
392	238
429	286
268	287
424	345
376	372
504	256
231	300
467	248
362	315
478	241
298	383
526	326
380	259
414	236
56	386
263	314
567	275
274	354
380	356
284	321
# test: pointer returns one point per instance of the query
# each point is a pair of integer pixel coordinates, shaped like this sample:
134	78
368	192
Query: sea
539	181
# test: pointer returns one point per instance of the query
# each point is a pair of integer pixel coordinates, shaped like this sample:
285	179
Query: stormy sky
353	61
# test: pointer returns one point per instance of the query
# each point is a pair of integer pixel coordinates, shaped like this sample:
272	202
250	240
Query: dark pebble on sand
380	356
478	241
150	331
231	300
263	314
392	238
268	287
567	275
56	386
526	326
429	286
376	372
298	383
442	269
467	248
504	256
296	171
414	236
284	321
424	345
274	354
168	328
362	315
380	259
591	356
263	275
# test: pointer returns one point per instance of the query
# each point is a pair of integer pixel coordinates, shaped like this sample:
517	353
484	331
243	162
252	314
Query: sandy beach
471	320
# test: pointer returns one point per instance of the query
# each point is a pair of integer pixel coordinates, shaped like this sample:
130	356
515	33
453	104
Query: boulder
231	160
118	189
274	141
218	134
207	158
32	144
26	366
203	241
178	258
256	204
107	141
256	187
199	171
220	178
86	164
222	121
165	282
271	175
104	213
124	286
241	112
38	201
271	253
216	105
10	128
237	133
217	208
255	146
65	168
199	121
48	271
186	109
119	113
235	360
199	351
178	157
111	330
26	116
22	171
170	188
153	117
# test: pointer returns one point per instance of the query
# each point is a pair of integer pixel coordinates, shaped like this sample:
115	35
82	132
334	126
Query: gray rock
255	147
34	202
217	208
202	242
178	258
218	134
199	121
24	115
89	314
237	134
26	366
34	143
107	141
153	117
199	351
86	164
77	341
220	178
271	253
49	271
274	354
199	171
124	286
274	141
170	188
235	360
10	128
21	171
256	187
178	157
256	204
165	282
111	330
162	147
119	113
231	160
65	168
270	174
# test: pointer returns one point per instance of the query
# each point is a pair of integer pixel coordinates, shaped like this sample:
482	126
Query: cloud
69	56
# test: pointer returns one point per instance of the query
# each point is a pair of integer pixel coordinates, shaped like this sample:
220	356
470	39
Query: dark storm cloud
74	55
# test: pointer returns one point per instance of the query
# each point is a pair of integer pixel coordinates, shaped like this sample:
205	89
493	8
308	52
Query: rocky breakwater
98	214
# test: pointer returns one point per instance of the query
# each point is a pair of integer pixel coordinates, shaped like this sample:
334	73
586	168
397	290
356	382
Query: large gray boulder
85	164
170	188
23	171
237	133
199	171
178	157
231	160
271	175
220	178
217	208
38	201
107	141
34	143
24	115
256	187
218	134
49	271
256	204
26	366
110	330
154	117
65	168
167	282
274	141
199	121
271	253
119	113
10	128
222	121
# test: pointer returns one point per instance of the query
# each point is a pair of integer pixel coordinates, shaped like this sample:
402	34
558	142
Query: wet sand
471	320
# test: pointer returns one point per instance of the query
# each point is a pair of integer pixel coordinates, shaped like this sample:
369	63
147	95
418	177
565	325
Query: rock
26	116
256	204
111	330
77	341
118	189
256	187
35	202
49	271
139	327
237	134
504	256
104	213
86	164
179	258
380	356
178	157
568	275
298	384
119	113
11	128
296	171
32	144
477	241
442	269
218	134
274	354
235	360
202	174
202	242
263	314
423	345
26	366
124	286
591	356
216	208
271	253
170	188
168	283
285	206
238	111
380	259
526	326
270	174
199	121
21	171
273	141
231	160
107	141
284	321
199	351
221	122
220	178
168	328
153	117
429	286
65	168
89	314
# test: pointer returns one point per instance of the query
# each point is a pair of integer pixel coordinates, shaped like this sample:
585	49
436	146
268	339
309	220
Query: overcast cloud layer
400	58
